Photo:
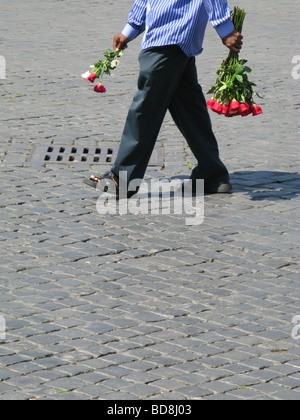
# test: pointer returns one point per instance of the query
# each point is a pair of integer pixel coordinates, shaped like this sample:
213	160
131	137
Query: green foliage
105	66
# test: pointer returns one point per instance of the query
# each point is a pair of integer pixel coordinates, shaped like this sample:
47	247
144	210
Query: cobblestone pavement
144	307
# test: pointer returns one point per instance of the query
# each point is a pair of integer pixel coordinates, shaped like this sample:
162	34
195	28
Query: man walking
173	35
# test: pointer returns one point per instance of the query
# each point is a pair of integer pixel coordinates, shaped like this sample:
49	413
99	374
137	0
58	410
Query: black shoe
223	187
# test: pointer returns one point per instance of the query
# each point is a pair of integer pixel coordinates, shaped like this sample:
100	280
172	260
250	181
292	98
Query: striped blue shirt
177	22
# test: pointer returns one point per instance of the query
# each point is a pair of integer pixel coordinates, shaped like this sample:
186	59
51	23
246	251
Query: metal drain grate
42	154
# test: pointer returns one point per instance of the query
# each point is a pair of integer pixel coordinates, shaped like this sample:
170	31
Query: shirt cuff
225	29
130	32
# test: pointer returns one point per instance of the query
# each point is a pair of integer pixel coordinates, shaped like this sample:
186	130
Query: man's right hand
120	42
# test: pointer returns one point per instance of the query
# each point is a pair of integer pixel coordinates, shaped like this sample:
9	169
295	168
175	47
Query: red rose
244	107
235	107
225	109
211	103
245	110
217	108
99	89
92	77
246	113
256	110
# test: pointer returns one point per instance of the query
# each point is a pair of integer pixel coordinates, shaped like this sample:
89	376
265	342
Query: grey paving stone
287	395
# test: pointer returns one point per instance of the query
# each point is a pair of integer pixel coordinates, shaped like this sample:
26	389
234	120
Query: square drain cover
41	154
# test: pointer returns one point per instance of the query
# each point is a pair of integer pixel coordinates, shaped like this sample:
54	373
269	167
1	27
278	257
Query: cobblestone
143	306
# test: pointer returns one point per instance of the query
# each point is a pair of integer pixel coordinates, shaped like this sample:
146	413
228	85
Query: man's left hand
233	41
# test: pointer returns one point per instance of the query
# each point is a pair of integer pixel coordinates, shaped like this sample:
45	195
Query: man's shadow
264	185
267	185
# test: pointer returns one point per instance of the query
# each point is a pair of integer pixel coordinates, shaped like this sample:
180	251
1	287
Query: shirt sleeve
219	14
136	22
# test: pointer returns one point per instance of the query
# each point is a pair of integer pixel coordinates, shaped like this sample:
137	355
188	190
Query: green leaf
256	94
248	70
239	69
222	88
212	90
240	78
108	52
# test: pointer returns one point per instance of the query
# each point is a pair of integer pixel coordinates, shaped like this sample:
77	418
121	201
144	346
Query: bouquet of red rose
103	67
233	92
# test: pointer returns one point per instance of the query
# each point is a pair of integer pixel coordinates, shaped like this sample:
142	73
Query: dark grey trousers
168	80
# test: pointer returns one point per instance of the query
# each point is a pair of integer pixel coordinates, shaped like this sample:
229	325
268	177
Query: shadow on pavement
264	185
267	185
